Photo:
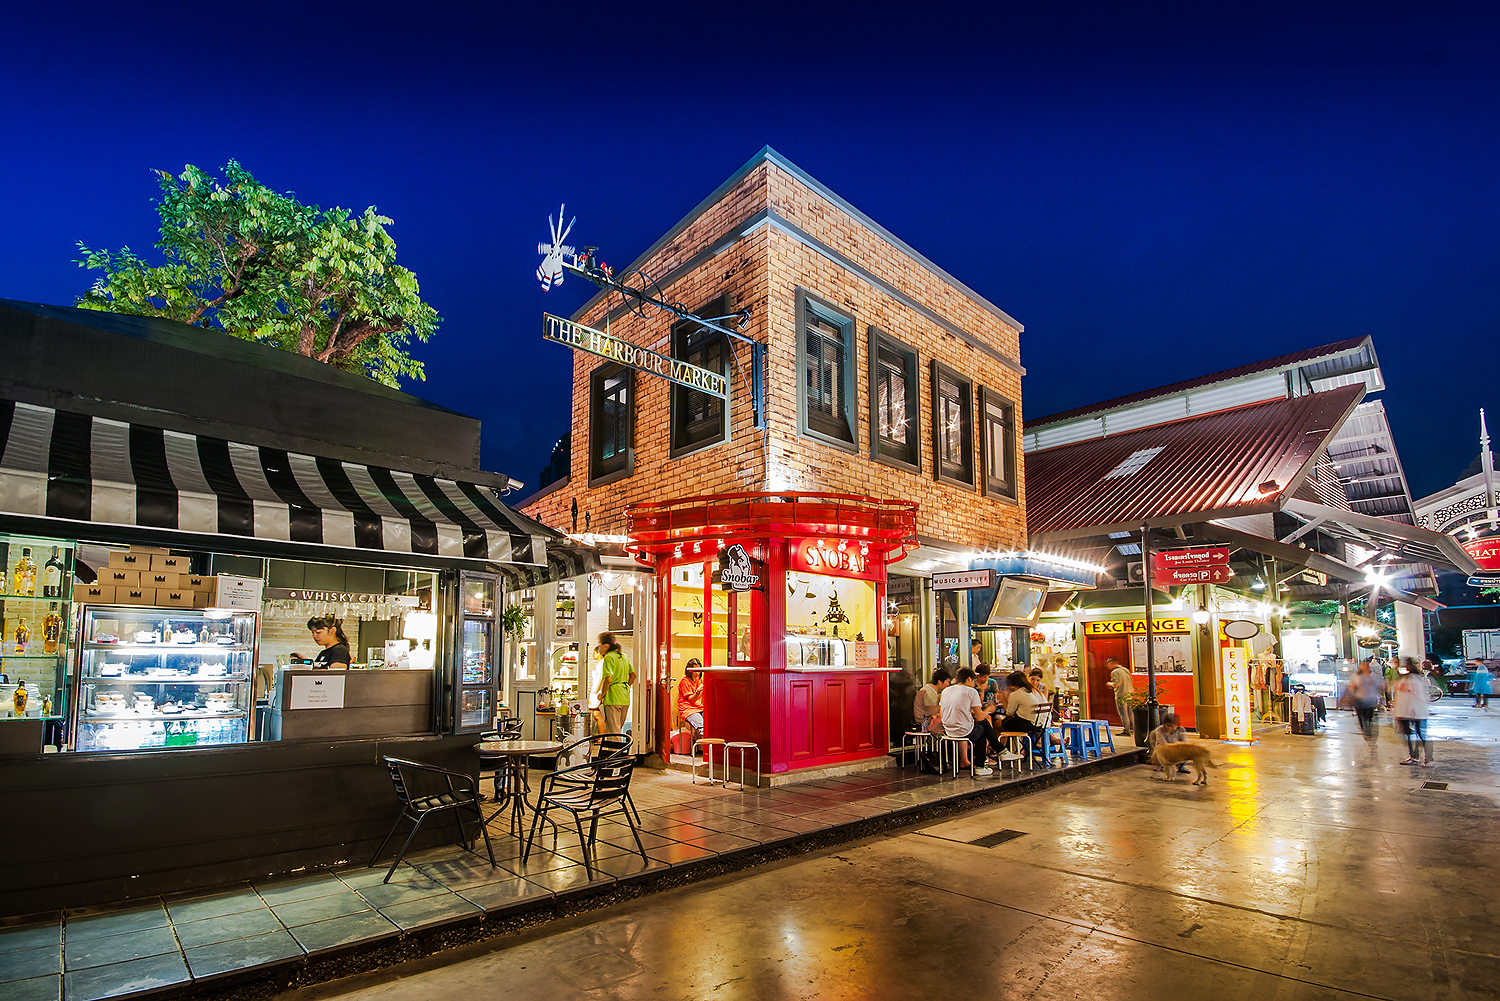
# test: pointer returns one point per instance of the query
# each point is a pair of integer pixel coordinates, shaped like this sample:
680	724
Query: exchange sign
1235	664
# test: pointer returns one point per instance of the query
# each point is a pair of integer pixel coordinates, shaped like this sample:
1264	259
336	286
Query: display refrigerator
162	678
478	690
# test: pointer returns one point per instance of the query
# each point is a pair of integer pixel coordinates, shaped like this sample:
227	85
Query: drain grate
998	838
1434	785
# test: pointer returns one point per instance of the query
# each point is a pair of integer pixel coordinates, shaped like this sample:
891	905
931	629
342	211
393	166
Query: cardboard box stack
143	575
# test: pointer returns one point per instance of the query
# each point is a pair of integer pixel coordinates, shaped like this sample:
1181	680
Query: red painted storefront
782	598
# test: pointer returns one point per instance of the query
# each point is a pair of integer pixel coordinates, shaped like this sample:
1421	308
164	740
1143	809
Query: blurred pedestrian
1365	690
1124	686
1413	696
1479	683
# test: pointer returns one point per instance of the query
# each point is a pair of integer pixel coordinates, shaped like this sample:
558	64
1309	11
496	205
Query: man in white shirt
964	716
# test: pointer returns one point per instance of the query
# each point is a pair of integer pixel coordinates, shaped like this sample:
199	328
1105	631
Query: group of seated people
968	706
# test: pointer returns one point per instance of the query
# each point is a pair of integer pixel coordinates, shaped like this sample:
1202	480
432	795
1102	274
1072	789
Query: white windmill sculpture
550	271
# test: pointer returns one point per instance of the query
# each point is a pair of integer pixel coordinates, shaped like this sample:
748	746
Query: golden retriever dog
1171	755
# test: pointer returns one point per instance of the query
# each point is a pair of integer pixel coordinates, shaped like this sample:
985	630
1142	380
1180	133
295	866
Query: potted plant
1142	719
513	622
544	697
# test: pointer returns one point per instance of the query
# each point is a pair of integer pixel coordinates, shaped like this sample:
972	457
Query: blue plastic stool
1043	749
1102	735
1079	739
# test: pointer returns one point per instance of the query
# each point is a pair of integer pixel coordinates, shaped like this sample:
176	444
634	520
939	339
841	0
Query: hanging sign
597	342
738	572
963	580
1241	629
1234	664
1190	559
1191	575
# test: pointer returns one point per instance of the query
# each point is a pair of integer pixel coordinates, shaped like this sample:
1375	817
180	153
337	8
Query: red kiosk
782	598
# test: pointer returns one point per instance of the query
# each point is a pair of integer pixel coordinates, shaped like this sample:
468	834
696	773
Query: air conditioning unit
1135	573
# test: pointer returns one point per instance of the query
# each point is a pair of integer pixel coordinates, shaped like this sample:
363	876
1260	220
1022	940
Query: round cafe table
518	751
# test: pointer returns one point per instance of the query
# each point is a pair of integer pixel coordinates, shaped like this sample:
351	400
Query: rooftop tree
260	265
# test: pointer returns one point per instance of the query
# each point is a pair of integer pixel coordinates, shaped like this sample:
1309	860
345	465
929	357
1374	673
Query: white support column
1411	641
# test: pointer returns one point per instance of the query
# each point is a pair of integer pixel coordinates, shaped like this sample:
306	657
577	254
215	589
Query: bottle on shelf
19	699
51	630
23	637
24	577
52	576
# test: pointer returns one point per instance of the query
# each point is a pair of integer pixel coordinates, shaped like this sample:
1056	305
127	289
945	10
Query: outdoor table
519	749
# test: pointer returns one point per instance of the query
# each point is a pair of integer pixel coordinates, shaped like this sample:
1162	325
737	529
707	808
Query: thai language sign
1190	559
597	342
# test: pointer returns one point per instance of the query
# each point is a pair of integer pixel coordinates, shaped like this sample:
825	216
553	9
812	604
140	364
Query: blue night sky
1156	193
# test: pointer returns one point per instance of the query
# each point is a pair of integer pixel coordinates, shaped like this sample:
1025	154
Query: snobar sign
597	342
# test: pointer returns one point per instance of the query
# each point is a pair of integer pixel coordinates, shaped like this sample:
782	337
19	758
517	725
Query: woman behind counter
615	678
328	633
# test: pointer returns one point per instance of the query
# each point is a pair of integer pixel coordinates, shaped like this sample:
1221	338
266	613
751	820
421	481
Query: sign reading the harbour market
597	342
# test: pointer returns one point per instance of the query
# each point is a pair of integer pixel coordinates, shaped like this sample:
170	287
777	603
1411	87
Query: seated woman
1021	708
690	698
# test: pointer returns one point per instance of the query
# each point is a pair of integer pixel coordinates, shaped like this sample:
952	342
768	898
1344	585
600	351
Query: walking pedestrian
1412	709
1479	683
1365	690
1124	686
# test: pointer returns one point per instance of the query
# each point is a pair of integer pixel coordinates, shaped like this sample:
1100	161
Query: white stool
953	743
1016	749
921	741
709	743
743	746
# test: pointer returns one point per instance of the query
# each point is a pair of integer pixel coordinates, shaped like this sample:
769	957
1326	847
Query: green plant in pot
513	622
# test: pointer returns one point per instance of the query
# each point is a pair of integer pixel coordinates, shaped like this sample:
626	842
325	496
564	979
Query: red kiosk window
723	629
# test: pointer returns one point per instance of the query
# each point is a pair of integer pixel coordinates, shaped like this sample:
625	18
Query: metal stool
742	746
920	741
1102	735
709	743
1017	749
946	741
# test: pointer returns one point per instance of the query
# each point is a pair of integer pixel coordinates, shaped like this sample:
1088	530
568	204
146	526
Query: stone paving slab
196	941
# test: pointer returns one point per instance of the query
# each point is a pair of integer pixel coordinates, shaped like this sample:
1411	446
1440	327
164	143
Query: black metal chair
598	788
417	806
610	745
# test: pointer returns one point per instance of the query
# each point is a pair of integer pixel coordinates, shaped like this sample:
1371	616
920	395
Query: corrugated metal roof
1210	467
1319	358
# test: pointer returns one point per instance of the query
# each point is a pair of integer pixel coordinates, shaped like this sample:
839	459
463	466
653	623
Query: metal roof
1328	361
1400	543
1221	465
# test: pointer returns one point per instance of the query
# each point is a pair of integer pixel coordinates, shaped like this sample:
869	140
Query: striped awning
58	464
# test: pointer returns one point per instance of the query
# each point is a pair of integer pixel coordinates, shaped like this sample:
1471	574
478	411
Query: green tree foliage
260	265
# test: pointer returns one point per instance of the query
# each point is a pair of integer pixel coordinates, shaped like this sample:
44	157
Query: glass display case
153	678
478	680
831	624
36	591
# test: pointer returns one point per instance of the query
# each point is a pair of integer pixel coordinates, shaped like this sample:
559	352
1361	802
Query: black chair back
398	778
611	780
510	728
610	745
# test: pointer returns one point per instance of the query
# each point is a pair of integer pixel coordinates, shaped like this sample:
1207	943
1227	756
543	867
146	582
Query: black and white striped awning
57	464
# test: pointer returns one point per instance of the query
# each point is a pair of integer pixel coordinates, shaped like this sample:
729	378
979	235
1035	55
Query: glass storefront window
476	664
479	597
475	708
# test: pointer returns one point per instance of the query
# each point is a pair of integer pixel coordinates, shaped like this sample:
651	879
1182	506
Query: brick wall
763	269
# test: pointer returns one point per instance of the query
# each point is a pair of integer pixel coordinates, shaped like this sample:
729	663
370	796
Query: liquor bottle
24	579
46	705
19	699
52	576
51	630
23	637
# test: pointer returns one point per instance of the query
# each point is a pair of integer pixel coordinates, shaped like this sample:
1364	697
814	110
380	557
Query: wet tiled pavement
179	944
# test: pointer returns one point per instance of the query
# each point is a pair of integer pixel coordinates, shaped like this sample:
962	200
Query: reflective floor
1309	867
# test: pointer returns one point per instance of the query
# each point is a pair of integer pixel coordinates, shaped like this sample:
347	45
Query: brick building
885	377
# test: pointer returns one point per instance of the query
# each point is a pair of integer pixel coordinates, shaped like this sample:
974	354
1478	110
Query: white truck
1482	644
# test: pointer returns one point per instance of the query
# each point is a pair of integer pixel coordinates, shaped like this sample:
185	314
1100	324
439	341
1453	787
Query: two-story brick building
888	449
